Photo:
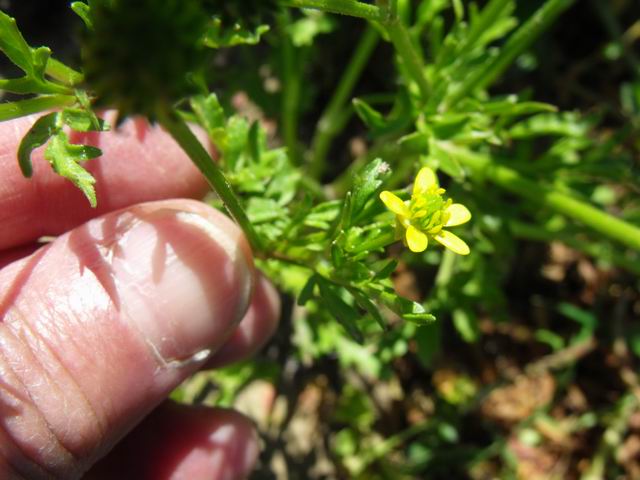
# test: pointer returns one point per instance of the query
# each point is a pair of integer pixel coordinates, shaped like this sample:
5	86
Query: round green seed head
141	54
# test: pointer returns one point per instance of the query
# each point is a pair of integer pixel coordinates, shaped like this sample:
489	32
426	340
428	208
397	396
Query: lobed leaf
65	159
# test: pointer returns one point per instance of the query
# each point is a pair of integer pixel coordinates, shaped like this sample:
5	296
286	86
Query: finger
253	332
99	326
183	442
139	163
255	329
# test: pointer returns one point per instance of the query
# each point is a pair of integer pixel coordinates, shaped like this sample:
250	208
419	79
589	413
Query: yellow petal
459	214
425	179
453	242
416	240
394	204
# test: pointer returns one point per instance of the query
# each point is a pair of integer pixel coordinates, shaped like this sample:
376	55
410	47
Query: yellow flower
425	216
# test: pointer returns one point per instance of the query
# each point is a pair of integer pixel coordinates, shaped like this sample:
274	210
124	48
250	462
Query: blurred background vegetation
531	369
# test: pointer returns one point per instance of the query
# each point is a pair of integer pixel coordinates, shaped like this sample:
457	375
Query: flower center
429	210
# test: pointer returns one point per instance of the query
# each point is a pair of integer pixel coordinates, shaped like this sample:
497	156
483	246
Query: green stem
342	7
612	437
183	135
611	24
331	120
59	71
21	108
509	179
595	250
405	49
445	272
291	91
516	45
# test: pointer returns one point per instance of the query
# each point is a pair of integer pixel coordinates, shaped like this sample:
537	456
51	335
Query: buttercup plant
323	220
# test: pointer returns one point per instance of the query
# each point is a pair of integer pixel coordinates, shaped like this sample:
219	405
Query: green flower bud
140	55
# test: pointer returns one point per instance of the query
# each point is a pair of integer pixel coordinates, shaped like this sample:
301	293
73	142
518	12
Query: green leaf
84	12
409	310
209	112
371	117
64	157
307	291
82	120
41	131
371	308
445	160
511	107
366	184
414	312
344	313
337	256
13	44
260	210
388	268
303	31
587	320
218	37
466	324
562	124
415	142
400	116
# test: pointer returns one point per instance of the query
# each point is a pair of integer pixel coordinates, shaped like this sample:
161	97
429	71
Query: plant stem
596	250
21	108
487	168
181	132
332	119
516	45
405	49
342	7
611	24
59	71
290	92
612	437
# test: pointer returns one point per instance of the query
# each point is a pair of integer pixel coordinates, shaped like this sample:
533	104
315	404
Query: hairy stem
181	132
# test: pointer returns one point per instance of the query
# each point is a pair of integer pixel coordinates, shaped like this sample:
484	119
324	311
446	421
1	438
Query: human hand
98	326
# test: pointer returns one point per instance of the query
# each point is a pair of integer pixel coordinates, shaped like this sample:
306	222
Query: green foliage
32	61
418	90
64	157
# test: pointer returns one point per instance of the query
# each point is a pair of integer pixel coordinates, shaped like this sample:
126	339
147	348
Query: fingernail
184	279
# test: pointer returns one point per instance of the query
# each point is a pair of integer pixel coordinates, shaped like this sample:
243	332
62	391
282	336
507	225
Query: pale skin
98	326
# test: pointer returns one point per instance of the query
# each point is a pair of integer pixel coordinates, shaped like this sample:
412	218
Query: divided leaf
65	159
41	131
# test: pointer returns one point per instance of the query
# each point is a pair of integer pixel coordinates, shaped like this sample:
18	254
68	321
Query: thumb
100	325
